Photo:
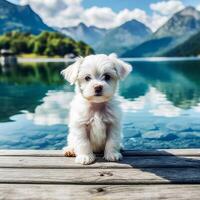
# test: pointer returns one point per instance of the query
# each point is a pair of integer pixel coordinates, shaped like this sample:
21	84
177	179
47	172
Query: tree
46	43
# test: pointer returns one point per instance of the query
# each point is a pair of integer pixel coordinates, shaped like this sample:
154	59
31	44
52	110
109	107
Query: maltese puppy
95	114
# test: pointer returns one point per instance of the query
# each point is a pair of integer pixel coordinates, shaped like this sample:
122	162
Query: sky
106	13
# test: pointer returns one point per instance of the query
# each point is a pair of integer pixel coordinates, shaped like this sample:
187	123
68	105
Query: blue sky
106	13
118	5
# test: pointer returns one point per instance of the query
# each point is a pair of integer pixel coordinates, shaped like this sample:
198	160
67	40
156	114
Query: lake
160	101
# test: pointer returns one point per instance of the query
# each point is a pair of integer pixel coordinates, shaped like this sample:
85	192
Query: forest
46	44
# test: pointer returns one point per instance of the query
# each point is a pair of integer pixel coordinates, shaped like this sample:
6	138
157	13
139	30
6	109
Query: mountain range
89	34
191	47
134	39
174	32
131	39
21	18
115	40
123	37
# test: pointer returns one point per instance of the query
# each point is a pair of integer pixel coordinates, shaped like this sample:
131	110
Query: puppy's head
96	76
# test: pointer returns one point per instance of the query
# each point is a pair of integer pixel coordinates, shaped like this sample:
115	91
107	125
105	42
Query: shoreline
137	59
160	59
39	60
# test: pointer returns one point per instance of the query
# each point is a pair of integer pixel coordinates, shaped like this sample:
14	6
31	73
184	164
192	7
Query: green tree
46	43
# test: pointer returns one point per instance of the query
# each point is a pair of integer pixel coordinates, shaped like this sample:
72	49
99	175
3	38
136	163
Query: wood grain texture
103	176
103	192
48	175
48	153
127	162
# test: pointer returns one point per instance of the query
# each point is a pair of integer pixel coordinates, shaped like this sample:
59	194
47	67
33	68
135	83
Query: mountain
174	32
88	34
21	18
185	21
120	38
190	47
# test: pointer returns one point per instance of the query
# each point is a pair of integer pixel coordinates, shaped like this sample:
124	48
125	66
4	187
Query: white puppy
95	114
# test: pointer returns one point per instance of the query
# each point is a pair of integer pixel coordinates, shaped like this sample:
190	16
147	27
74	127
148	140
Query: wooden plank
118	192
102	176
127	162
40	153
164	152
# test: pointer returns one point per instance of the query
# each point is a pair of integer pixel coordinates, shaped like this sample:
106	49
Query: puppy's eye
87	78
107	77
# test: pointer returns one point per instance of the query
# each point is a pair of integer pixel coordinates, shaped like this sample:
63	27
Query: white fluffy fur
95	121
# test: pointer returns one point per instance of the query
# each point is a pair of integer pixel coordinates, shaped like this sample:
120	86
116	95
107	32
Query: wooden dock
159	174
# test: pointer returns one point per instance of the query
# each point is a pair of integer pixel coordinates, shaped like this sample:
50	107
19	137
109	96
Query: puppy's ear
71	72
123	68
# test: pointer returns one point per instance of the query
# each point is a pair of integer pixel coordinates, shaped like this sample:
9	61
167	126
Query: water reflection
153	102
55	107
30	73
53	110
161	103
179	81
23	86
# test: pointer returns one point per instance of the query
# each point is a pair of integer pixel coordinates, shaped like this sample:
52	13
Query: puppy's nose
98	89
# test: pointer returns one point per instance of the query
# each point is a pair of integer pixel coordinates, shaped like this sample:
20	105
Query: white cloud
126	15
63	13
157	21
198	7
107	18
167	7
104	17
70	12
162	11
57	12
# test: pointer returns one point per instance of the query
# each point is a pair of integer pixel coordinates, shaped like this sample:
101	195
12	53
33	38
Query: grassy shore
33	55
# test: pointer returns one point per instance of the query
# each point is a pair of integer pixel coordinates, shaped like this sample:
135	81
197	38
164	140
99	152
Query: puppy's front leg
113	144
82	146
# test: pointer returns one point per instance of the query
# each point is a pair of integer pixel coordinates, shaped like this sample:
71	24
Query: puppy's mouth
97	98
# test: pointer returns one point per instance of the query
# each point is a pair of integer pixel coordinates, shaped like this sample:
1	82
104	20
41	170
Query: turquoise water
160	101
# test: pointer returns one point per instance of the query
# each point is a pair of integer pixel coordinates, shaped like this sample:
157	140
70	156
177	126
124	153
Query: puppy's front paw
113	156
85	159
69	152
